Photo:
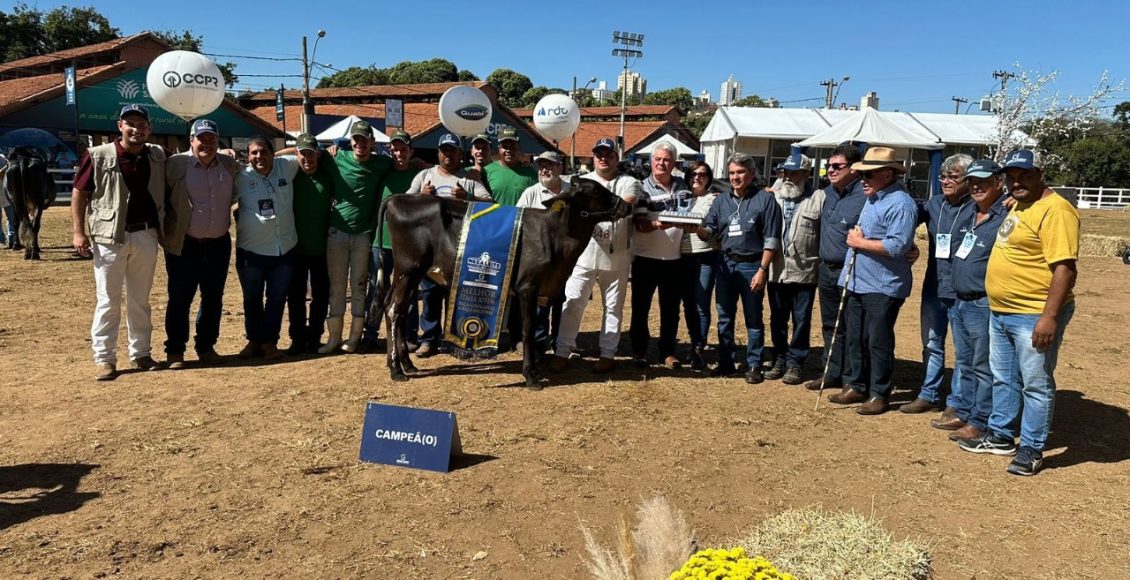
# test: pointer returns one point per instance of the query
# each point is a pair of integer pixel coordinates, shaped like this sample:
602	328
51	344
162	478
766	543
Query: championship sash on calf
476	305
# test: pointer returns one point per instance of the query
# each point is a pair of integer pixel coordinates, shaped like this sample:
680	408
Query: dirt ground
252	470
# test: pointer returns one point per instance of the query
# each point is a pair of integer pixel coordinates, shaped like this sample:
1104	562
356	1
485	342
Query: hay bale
812	543
1102	246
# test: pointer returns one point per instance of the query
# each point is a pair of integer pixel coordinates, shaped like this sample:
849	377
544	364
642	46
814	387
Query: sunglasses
603	153
702	174
836	166
868	174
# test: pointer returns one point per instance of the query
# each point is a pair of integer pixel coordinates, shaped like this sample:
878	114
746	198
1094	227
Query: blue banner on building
70	83
476	305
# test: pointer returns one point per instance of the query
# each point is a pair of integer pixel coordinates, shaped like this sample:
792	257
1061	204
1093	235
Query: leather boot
335	325
355	330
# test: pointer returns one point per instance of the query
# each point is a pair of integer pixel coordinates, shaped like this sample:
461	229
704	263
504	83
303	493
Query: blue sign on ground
407	437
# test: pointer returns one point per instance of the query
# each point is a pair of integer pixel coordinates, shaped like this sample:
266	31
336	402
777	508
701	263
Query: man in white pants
119	191
606	261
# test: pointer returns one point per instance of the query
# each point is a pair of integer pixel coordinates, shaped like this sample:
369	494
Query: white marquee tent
680	147
340	130
870	126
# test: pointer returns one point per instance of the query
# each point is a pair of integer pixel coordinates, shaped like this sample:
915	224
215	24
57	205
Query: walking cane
835	329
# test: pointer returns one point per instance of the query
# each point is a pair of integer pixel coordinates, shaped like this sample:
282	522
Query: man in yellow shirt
1031	272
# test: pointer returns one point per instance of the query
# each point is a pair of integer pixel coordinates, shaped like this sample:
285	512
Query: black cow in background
425	236
30	189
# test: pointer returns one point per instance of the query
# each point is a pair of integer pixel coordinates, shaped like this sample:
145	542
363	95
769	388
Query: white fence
1096	197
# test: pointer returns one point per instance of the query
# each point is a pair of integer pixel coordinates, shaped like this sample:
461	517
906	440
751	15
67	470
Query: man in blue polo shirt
880	280
978	222
939	213
843	201
747	223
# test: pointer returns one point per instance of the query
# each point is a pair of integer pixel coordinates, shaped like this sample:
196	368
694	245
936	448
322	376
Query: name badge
735	228
267	208
942	246
967	244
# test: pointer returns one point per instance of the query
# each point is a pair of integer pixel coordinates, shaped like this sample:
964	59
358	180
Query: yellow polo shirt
1034	236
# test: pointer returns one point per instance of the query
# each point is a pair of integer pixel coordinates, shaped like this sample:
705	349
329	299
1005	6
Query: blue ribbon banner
477	302
408	437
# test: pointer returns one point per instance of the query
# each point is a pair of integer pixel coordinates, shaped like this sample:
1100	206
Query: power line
243	56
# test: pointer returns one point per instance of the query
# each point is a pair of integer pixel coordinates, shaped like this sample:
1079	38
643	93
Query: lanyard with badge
267	204
970	238
735	229
942	241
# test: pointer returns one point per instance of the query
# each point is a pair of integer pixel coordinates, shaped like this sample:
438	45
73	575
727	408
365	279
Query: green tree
436	70
511	86
678	96
751	101
356	76
29	31
1122	114
186	40
466	75
697	121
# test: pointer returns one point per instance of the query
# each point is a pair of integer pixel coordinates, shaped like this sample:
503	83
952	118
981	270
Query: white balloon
465	110
556	116
185	83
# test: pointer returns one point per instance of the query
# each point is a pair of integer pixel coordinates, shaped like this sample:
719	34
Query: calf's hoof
398	377
533	384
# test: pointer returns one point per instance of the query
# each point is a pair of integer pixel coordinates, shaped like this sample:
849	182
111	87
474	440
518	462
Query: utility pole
957	103
628	40
306	107
573	139
1003	75
831	92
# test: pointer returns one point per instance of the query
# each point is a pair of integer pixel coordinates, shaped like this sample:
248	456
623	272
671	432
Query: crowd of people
1001	266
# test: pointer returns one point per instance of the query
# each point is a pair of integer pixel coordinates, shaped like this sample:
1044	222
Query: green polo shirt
355	191
313	196
506	184
395	183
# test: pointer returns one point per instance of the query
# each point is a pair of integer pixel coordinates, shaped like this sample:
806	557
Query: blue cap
1022	158
982	169
605	142
796	162
204	126
134	109
449	139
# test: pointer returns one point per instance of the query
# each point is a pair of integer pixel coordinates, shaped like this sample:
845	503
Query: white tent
340	130
871	126
680	147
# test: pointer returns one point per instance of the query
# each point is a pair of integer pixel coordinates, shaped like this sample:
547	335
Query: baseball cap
1022	158
204	126
481	137
134	109
550	156
361	128
449	139
507	134
604	142
400	135
306	142
797	162
982	168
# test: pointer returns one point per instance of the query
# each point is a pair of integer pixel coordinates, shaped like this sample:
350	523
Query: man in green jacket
313	196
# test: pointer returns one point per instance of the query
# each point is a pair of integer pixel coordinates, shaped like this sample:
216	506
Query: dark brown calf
425	235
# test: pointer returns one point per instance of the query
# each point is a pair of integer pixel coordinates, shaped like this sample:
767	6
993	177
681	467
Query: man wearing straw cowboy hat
877	279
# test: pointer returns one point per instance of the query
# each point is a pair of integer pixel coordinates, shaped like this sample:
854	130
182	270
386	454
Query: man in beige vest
792	275
119	194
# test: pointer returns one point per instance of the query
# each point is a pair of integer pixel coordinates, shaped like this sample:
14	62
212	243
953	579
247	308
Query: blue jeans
375	314
261	276
791	302
697	272
732	282
203	265
970	320
1023	377
936	317
13	229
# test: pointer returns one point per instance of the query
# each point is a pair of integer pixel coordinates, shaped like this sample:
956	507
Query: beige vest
802	245
106	216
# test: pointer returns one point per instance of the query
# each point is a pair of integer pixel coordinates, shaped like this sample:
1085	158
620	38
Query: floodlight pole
626	39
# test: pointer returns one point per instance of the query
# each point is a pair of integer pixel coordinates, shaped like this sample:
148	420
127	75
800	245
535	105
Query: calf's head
589	200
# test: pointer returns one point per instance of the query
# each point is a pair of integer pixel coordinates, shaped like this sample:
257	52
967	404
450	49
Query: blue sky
915	55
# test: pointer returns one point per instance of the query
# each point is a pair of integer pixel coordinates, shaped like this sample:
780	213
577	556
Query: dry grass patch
813	543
